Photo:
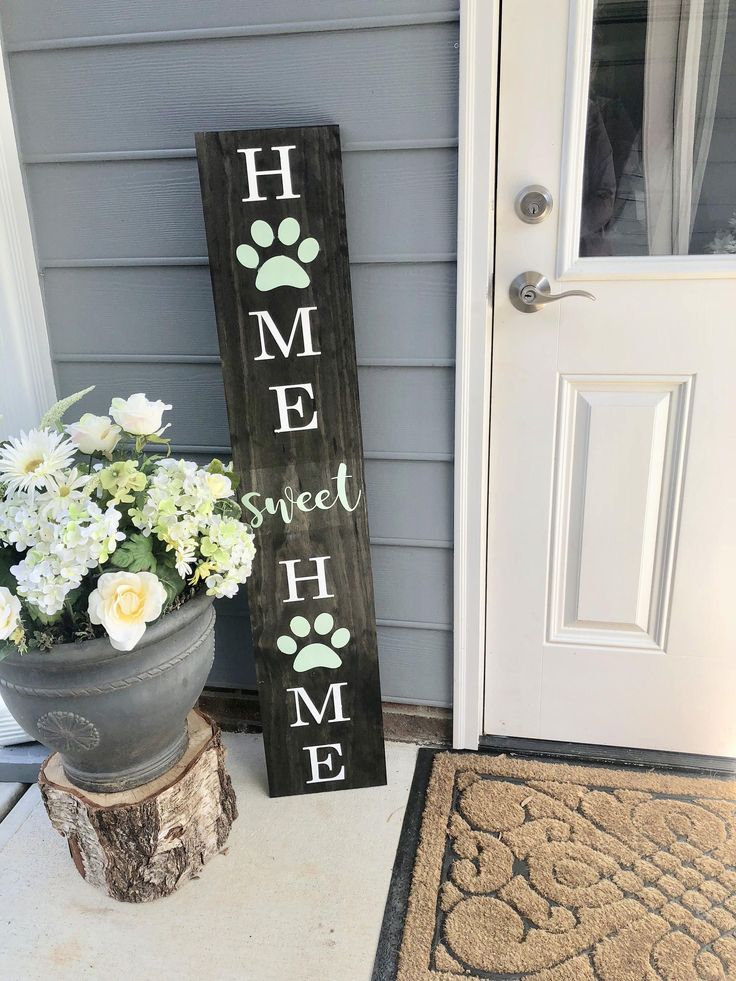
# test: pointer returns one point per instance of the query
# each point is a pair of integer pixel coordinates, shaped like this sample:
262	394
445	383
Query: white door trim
27	388
479	33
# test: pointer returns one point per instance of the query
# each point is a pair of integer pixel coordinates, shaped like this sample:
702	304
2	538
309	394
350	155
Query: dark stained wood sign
275	218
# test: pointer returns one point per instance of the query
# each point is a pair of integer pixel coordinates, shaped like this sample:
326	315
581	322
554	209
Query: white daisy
63	488
26	463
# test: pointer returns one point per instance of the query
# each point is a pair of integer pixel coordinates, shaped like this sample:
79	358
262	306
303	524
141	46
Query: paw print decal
316	654
280	269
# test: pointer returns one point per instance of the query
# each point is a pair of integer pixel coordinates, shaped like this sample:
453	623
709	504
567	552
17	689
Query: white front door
612	515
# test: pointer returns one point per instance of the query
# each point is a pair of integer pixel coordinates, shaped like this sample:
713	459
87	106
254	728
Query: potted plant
110	559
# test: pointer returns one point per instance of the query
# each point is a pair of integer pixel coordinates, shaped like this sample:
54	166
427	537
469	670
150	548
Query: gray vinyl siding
107	97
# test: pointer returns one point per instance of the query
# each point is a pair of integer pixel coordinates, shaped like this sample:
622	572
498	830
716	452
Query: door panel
617	493
612	527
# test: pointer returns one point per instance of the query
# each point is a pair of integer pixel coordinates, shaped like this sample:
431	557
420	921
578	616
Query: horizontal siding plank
189	153
115	311
395	83
401	311
415	664
403	409
34	20
412	583
405	311
407	409
409	499
399	201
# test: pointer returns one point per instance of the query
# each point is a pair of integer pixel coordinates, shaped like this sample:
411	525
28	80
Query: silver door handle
530	291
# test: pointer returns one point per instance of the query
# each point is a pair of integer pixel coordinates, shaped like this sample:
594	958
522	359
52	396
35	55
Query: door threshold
716	766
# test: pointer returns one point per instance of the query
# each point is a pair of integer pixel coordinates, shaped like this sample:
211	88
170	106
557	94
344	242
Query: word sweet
304	501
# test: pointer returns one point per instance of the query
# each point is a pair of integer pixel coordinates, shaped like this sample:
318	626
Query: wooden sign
275	218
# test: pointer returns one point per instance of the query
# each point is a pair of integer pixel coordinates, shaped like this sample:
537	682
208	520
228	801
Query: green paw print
316	654
280	269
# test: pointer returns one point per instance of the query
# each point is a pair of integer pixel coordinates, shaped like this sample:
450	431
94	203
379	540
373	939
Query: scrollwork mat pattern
551	872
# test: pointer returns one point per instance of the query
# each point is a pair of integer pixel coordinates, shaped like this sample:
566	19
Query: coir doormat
551	872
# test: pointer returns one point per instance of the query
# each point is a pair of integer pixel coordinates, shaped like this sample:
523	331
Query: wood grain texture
388	84
141	845
306	459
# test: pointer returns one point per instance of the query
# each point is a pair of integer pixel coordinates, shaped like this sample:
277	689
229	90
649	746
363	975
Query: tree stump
142	844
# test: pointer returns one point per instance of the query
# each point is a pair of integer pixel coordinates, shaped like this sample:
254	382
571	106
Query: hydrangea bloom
64	546
180	509
228	551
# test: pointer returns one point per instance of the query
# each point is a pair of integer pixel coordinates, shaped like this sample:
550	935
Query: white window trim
27	388
479	34
26	377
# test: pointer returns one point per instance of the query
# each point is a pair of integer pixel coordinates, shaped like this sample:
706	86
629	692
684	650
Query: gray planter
117	718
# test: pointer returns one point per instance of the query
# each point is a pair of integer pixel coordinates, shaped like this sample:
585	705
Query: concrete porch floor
298	896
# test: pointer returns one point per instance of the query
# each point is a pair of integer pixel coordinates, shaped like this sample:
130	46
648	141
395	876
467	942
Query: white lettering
333	694
284	170
298	406
301	319
293	579
328	760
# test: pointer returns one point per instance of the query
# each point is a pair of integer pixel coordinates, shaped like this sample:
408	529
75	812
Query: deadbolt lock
533	204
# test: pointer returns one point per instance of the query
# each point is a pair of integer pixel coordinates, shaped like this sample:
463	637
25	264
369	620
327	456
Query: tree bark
142	844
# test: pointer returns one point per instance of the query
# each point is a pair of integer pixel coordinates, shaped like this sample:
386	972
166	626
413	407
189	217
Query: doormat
512	868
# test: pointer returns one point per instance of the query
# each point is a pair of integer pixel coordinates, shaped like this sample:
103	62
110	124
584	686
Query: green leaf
142	441
170	578
149	462
71	602
229	508
6	648
52	419
41	617
135	554
8	557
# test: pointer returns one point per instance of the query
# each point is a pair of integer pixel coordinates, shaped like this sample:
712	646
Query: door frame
479	55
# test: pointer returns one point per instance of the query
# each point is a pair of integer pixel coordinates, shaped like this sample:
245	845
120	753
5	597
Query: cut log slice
142	844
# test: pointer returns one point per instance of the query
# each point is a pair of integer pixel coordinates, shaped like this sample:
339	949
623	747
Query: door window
660	146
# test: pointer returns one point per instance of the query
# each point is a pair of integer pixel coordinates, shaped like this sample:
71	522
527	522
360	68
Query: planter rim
99	649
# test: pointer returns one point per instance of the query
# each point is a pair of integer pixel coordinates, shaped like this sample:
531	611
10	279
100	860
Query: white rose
138	415
94	434
219	485
9	612
124	602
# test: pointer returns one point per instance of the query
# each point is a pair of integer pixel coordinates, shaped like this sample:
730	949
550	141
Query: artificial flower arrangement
724	241
99	537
